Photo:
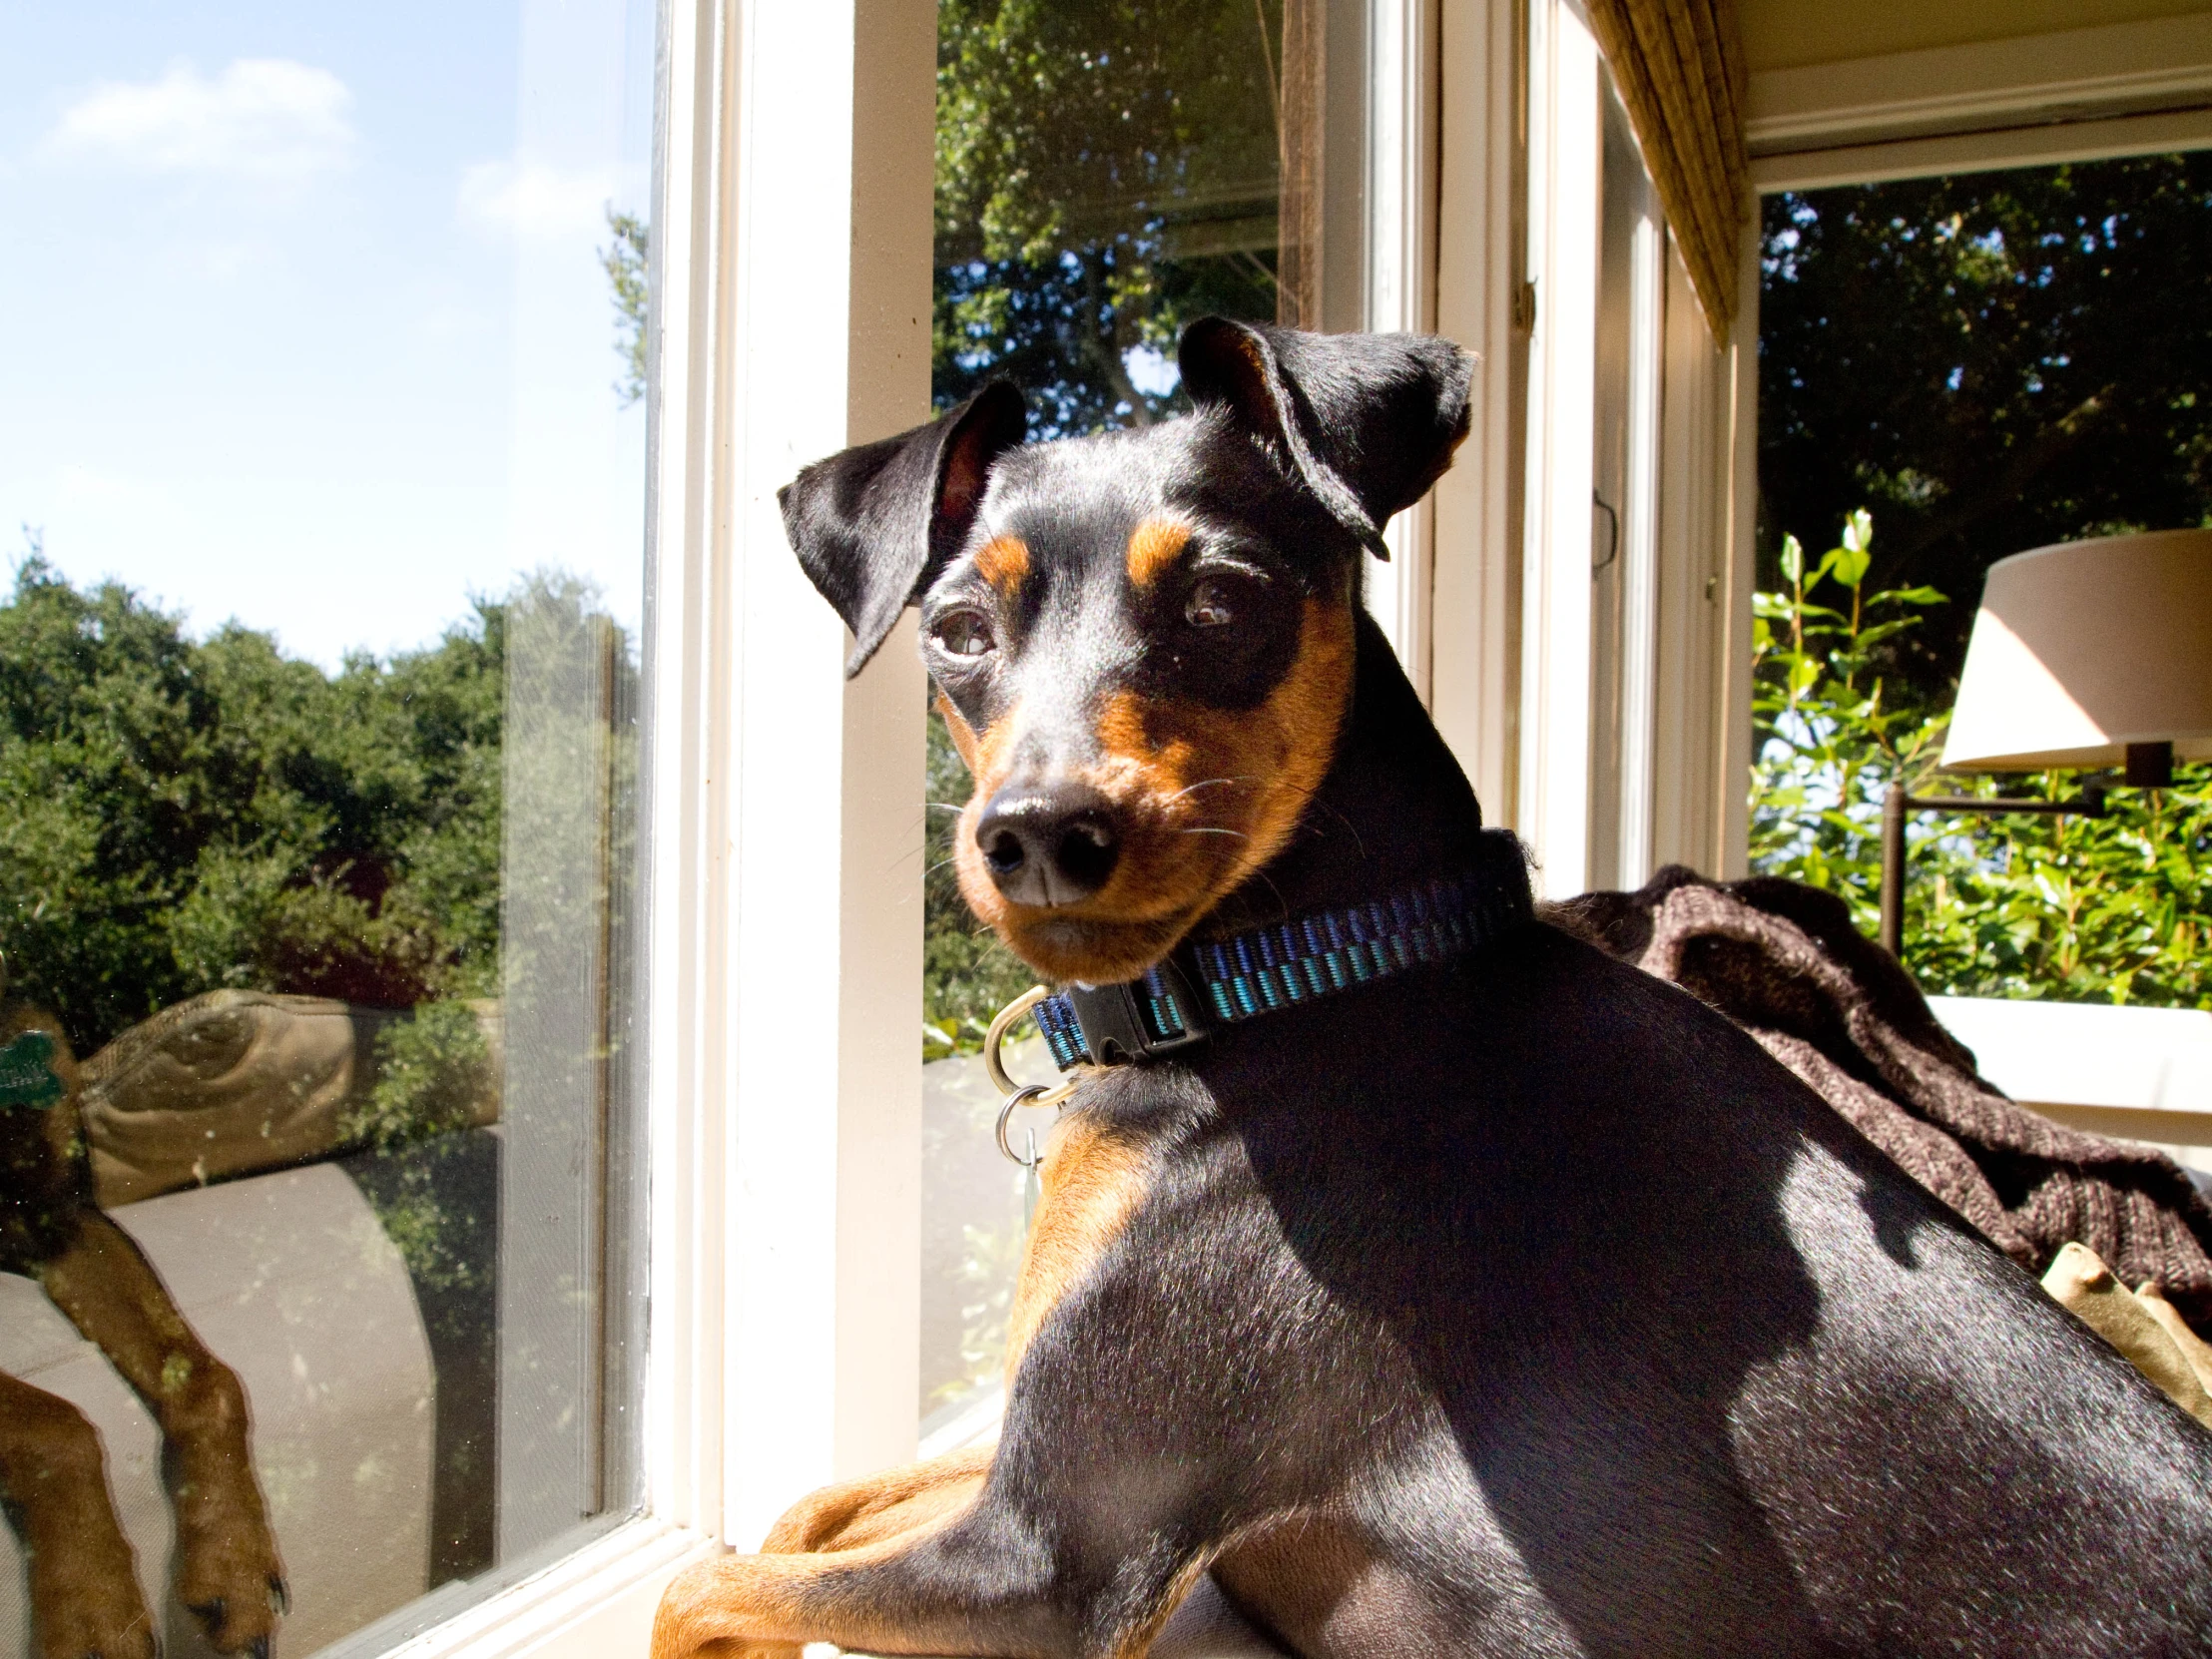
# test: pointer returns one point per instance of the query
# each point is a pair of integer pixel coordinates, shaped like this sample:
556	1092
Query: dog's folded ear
1366	421
873	525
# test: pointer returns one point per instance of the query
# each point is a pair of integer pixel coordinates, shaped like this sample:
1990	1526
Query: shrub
2070	909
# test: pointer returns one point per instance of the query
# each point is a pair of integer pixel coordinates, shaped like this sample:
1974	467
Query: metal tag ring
1020	1097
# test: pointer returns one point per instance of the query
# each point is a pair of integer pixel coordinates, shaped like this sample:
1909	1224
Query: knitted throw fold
1783	963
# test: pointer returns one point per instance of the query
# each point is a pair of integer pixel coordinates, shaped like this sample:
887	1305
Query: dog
83	1588
1505	1300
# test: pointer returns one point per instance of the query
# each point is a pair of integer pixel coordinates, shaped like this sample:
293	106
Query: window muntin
318	827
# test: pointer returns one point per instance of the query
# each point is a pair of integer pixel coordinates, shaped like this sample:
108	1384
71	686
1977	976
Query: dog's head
1141	641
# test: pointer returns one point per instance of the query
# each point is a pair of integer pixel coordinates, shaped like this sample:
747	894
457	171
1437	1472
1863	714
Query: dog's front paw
234	1587
228	1571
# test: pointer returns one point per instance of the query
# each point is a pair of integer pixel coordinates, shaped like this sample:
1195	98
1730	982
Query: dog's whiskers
1202	783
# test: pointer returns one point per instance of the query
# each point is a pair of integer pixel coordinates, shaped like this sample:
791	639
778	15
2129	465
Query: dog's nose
1047	845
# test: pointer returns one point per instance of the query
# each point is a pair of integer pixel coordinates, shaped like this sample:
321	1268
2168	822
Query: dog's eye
1211	604
963	634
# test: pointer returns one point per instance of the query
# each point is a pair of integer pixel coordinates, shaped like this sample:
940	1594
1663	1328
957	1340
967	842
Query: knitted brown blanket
1783	963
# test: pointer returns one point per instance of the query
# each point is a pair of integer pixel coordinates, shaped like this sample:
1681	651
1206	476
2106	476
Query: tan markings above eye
1153	546
1004	561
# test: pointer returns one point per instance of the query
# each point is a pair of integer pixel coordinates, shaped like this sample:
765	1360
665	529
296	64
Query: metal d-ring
997	1034
1020	1094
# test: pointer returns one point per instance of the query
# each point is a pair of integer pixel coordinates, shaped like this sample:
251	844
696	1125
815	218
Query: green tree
1993	363
1106	170
177	816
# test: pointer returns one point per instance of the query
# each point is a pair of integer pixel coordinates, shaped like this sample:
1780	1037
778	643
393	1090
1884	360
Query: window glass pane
1106	172
320	711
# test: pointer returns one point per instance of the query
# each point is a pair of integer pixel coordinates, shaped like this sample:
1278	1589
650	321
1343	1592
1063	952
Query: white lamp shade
2082	648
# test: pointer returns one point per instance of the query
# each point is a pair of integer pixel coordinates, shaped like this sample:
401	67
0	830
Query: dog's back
1610	1338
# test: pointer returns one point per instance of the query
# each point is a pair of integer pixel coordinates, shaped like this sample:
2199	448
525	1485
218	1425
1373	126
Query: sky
308	327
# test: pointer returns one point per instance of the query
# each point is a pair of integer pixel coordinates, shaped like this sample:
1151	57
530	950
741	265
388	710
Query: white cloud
534	199
76	485
267	119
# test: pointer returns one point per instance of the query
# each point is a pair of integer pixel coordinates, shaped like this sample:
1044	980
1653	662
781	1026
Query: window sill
592	1604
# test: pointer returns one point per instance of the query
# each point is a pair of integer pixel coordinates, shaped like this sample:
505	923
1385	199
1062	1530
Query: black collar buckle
1139	1020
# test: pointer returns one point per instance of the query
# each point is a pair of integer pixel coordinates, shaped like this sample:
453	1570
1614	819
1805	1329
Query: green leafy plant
2067	908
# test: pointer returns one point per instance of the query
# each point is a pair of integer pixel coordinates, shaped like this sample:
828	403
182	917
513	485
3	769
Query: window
763	964
322	735
1103	177
1624	501
1633	570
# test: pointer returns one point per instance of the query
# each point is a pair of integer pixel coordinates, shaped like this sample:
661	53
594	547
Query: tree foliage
177	815
1106	172
1993	363
629	280
2072	908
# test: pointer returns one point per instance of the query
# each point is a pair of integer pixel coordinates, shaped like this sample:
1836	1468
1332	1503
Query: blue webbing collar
1283	965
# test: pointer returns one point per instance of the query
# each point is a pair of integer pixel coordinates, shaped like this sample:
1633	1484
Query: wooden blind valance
1679	65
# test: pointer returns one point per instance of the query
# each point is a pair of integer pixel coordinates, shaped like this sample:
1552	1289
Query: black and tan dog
84	1591
1515	1304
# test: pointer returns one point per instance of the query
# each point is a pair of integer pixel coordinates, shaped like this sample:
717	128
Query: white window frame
1400	249
1564	171
1509	646
1473	647
791	257
2121	89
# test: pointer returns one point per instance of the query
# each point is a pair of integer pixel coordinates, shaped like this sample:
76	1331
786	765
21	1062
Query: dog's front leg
84	1586
228	1571
922	1560
897	1504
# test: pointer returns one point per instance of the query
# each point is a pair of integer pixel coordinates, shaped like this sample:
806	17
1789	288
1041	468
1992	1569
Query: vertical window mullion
831	346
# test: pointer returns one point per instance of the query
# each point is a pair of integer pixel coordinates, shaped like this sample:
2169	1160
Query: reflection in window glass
1106	172
320	702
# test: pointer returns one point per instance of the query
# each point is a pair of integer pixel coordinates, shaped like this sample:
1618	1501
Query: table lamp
2088	654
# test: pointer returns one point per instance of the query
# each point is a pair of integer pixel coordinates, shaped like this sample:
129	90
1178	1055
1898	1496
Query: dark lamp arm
2088	804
